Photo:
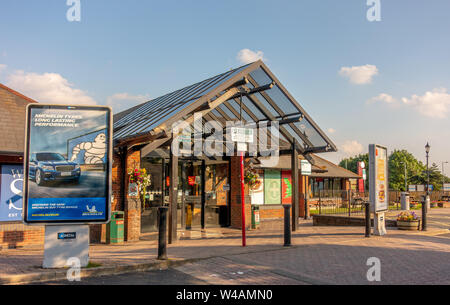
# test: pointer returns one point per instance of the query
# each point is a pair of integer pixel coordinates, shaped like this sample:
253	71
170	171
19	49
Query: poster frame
376	206
108	170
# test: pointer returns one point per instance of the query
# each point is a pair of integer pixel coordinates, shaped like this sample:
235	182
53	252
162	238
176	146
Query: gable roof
12	120
217	98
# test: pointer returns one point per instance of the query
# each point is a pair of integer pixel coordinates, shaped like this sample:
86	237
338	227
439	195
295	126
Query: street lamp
424	204
443	176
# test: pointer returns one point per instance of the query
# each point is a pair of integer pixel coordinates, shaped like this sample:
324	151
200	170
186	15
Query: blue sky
122	53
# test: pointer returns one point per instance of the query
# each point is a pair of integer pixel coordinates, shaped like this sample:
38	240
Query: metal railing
344	203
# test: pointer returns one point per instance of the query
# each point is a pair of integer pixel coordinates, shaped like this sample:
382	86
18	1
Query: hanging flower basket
251	178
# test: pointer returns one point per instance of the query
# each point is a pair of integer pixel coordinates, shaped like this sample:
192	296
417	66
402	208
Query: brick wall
235	193
132	204
16	235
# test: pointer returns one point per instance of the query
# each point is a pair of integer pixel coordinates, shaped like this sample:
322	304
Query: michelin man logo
94	152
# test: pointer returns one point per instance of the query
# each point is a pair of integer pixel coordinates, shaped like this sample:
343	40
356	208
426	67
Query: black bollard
162	237
368	224
287	225
306	208
424	213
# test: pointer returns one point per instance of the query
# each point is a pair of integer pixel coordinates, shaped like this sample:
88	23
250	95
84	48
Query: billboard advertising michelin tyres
67	164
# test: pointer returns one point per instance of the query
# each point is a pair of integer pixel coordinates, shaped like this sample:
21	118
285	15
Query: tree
397	159
415	170
352	165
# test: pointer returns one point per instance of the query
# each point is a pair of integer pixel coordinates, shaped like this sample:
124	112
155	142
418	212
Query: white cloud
49	88
246	56
2	67
359	75
123	101
383	97
331	130
434	104
352	148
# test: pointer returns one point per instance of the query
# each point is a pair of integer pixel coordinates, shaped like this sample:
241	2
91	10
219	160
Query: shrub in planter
408	221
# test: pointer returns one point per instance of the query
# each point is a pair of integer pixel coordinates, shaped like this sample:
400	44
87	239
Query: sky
363	82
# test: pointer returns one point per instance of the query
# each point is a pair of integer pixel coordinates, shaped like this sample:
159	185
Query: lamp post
443	176
424	204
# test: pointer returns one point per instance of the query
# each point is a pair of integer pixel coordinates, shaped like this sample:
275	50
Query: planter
441	204
408	225
433	205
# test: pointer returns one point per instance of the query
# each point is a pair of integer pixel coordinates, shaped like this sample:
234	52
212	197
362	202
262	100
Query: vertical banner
67	164
257	194
286	187
11	192
378	179
272	186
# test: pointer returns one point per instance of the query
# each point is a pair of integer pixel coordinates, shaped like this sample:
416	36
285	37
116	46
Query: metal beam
281	112
295	186
203	194
173	196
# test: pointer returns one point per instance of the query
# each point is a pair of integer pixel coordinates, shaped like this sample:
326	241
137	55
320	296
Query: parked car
47	166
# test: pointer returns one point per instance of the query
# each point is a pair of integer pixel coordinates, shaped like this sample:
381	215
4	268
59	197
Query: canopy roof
264	99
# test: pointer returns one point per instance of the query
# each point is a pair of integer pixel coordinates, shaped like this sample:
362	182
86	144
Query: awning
261	94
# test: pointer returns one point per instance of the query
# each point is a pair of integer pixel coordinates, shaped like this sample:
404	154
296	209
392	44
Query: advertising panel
378	178
67	164
257	194
286	187
272	186
11	181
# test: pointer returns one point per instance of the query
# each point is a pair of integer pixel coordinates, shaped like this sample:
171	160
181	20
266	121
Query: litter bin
255	217
115	228
405	201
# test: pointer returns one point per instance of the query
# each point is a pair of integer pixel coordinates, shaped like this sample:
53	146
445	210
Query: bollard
425	200
368	224
162	237
287	225
306	208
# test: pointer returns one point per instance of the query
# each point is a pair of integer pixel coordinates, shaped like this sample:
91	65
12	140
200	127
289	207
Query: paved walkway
21	265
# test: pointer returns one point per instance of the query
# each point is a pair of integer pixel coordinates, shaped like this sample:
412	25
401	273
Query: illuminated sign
378	178
67	175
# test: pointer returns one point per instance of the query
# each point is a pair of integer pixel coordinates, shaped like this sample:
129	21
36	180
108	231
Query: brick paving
319	255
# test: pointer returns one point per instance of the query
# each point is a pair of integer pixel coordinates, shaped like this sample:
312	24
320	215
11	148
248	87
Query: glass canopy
260	98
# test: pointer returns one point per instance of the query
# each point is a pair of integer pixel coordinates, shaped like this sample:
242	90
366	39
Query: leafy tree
415	170
352	165
397	161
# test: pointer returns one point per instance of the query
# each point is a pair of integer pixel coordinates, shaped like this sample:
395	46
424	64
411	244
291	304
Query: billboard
59	186
378	178
446	187
272	186
11	192
257	194
286	187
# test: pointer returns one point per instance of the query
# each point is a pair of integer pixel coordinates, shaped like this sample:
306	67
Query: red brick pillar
132	204
98	232
235	193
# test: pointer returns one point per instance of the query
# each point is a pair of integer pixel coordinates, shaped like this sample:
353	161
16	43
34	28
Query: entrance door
215	209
